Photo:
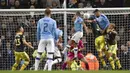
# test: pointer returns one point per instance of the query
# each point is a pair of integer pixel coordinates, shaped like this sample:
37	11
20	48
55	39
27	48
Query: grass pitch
100	71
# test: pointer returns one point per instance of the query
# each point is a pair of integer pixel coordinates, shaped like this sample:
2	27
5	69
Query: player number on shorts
17	42
45	27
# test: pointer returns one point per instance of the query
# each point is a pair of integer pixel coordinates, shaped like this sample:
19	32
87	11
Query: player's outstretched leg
57	56
26	59
58	60
67	62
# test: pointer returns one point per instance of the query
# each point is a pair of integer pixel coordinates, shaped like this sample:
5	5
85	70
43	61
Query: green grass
101	71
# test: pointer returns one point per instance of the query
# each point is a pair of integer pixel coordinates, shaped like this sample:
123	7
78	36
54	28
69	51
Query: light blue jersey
103	21
78	26
58	34
46	28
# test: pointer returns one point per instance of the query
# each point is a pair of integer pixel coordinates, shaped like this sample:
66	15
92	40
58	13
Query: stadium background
8	23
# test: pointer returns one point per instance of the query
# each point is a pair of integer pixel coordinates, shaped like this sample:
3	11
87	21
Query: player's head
47	12
111	26
20	29
97	12
78	13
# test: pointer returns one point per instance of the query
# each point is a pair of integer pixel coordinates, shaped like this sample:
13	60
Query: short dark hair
47	11
78	13
95	11
18	28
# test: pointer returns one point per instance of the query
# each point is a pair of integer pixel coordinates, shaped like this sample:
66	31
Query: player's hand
32	48
73	19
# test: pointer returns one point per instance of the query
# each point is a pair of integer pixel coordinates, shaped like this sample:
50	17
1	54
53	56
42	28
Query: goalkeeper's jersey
19	42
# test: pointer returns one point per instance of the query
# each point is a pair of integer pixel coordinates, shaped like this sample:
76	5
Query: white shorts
57	52
77	36
46	43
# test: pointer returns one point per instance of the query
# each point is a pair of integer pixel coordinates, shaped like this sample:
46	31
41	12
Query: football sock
111	62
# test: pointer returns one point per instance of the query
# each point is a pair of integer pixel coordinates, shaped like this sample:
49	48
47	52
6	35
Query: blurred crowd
26	4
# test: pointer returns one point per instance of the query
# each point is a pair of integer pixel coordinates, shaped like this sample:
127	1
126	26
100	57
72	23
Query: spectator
103	3
127	3
88	5
80	5
3	4
72	4
24	3
32	7
55	5
33	3
11	4
95	3
125	57
17	4
50	2
42	3
128	45
58	3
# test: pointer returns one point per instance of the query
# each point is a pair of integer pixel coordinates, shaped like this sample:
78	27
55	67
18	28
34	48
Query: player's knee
116	59
17	62
59	59
26	62
15	65
38	56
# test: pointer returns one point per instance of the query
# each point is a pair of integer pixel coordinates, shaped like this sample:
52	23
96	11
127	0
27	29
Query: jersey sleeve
38	31
23	38
80	20
60	33
99	19
106	20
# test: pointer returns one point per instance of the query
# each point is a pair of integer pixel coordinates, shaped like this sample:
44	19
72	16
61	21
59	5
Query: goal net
10	19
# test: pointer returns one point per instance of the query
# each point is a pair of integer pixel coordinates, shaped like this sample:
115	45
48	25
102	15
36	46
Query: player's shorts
100	43
46	43
49	45
21	55
112	49
77	36
71	55
57	52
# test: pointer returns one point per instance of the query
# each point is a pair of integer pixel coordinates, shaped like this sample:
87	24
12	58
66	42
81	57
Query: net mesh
9	20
